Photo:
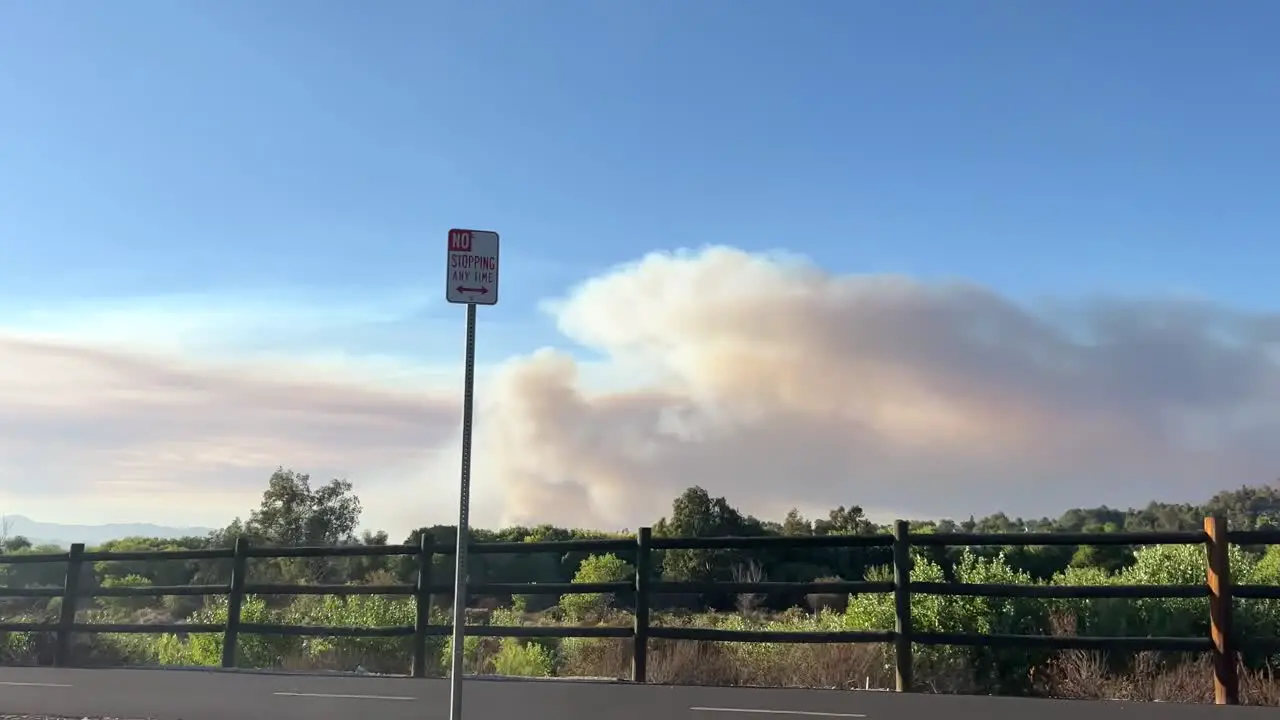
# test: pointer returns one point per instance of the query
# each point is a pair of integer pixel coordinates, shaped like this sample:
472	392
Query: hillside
47	533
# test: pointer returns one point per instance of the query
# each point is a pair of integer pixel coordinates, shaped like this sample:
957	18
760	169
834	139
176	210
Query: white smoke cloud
760	377
781	385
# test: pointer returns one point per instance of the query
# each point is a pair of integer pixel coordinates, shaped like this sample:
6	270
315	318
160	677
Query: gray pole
460	575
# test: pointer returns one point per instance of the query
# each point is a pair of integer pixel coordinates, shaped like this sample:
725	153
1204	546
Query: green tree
605	568
844	521
292	513
696	514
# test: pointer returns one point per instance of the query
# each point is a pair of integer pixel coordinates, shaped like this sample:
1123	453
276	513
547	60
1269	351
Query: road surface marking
28	684
343	697
762	711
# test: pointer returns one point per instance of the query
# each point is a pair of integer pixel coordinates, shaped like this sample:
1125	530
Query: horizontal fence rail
1221	642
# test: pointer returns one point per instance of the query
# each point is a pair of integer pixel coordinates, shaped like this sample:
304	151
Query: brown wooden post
903	666
640	628
67	613
422	603
235	599
1226	680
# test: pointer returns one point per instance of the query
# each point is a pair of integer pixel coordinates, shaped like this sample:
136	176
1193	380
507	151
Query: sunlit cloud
780	385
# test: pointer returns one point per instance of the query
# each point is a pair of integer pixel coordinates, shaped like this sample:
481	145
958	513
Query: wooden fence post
640	630
67	613
903	666
239	569
1226	680
422	599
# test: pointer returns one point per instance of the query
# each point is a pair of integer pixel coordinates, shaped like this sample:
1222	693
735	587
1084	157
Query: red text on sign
459	241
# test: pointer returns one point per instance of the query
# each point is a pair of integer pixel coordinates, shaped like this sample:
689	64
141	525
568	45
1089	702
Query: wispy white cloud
90	429
226	320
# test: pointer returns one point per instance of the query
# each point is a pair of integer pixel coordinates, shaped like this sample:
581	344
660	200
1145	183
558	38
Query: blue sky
1042	147
243	177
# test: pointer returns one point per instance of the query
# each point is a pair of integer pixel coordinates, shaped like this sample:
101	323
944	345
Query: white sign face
471	275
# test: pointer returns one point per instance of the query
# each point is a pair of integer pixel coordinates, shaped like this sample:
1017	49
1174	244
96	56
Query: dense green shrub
523	659
595	569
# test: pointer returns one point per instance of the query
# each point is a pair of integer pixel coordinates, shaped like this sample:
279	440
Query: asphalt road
212	695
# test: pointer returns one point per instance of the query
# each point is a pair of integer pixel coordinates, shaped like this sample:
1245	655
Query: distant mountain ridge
44	533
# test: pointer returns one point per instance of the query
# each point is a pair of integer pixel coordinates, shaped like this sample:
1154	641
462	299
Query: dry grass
1084	675
1071	674
704	663
688	662
1149	677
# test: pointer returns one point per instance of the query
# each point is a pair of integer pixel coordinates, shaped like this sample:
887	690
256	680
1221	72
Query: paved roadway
213	695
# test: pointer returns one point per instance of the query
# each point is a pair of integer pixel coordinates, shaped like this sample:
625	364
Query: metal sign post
471	277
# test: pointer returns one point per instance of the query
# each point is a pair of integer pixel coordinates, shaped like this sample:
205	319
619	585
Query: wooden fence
1221	643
